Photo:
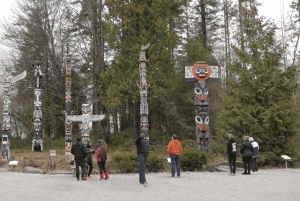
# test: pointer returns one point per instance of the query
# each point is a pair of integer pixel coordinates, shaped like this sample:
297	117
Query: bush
193	160
155	163
126	162
269	159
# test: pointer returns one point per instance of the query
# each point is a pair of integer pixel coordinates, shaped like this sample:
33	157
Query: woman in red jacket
102	149
174	150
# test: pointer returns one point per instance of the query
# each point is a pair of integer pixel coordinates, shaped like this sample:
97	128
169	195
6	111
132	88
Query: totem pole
86	120
68	123
7	80
200	73
37	141
143	86
111	124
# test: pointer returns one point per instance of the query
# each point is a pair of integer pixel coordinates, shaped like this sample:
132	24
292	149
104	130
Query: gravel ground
270	184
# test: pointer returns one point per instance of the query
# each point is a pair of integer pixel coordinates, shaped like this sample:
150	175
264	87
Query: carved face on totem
201	71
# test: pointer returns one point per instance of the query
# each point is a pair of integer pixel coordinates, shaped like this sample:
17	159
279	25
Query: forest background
257	93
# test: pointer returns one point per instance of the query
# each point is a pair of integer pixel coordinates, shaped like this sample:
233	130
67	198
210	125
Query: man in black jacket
231	151
79	151
142	153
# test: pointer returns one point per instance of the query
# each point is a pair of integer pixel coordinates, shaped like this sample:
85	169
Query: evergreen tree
131	24
259	101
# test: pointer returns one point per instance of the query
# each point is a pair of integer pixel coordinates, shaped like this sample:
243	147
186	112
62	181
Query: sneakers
145	184
172	176
83	179
244	173
89	177
232	173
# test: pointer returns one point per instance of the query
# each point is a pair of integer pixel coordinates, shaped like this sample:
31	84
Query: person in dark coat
79	151
246	151
231	151
89	158
142	153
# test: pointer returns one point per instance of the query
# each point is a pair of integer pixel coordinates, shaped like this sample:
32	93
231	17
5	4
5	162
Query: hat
174	136
251	139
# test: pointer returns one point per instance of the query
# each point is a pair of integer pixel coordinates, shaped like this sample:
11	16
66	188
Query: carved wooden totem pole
86	119
143	86
200	73
37	141
7	80
68	123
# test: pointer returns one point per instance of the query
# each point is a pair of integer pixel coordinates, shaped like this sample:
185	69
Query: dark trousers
90	168
101	166
247	163
254	165
143	161
175	161
81	163
231	161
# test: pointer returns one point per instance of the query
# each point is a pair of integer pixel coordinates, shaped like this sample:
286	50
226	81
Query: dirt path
275	184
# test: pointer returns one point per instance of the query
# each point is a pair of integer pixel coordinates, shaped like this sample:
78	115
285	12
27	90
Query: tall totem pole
7	80
200	73
68	123
143	86
37	141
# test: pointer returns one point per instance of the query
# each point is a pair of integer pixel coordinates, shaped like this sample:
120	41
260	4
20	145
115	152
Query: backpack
103	156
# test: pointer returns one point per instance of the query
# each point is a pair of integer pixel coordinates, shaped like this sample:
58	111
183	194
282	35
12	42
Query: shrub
155	163
269	159
126	162
193	160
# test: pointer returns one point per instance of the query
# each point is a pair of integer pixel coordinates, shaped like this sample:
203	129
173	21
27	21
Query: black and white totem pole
86	120
37	141
143	87
200	73
68	123
7	80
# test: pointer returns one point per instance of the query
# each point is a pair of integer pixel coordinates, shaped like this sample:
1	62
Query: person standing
231	151
174	150
246	151
101	151
142	153
89	159
79	151
254	155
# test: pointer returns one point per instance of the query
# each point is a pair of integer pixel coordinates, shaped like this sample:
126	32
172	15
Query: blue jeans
143	160
254	165
175	160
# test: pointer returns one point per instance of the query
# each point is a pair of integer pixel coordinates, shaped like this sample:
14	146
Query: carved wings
18	77
80	118
145	47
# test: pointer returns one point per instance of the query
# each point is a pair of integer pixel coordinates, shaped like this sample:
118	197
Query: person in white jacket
254	155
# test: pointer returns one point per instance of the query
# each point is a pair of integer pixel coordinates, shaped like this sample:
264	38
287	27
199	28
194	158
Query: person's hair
103	144
230	136
174	136
78	138
246	138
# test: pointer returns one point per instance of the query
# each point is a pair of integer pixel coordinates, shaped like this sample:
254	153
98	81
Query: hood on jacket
77	143
231	140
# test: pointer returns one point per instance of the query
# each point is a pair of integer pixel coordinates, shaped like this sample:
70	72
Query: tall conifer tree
260	101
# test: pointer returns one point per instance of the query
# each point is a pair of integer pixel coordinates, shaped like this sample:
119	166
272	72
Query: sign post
52	154
286	157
